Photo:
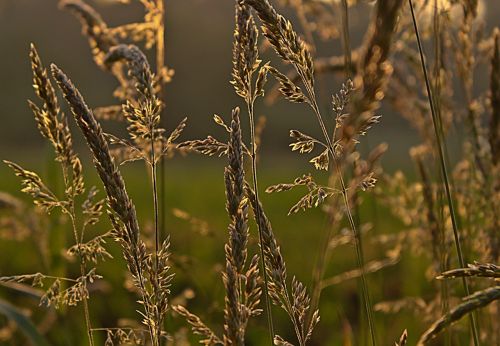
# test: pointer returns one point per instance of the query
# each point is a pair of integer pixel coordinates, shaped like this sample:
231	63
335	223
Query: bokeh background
198	47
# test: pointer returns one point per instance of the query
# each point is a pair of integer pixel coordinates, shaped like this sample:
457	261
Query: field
250	172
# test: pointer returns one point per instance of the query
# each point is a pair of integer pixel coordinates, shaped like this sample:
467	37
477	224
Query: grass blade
446	180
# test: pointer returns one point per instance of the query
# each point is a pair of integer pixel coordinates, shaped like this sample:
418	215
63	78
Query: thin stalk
86	313
352	221
437	87
347	41
444	169
78	241
319	270
160	39
322	258
261	240
155	207
359	251
155	198
154	342
160	65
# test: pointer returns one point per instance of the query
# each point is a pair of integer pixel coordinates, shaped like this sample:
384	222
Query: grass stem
444	169
261	240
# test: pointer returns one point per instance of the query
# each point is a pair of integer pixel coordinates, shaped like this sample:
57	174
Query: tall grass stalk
160	65
347	40
357	236
437	92
338	169
446	180
160	62
155	196
269	313
359	245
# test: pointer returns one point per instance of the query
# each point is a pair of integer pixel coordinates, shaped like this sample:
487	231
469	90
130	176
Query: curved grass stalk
444	170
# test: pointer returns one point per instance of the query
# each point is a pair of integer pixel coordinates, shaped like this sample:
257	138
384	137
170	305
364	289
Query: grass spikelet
289	90
35	187
297	306
209	146
486	270
245	52
118	199
245	63
93	27
236	202
279	31
138	65
240	280
470	304
235	314
52	124
198	327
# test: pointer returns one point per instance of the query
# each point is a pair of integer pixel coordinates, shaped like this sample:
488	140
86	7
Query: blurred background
198	47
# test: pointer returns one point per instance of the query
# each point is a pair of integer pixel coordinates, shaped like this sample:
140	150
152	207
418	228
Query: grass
169	266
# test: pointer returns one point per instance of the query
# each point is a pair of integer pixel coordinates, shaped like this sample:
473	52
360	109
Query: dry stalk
444	170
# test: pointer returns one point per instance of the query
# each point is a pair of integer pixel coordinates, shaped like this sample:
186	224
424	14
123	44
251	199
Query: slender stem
319	269
155	207
444	169
59	278
437	88
359	251
347	41
154	342
155	198
86	313
257	216
160	39
357	235
160	65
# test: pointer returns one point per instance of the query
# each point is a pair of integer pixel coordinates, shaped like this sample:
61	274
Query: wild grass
451	203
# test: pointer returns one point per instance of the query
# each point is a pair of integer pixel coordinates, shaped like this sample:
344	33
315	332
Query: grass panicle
126	226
